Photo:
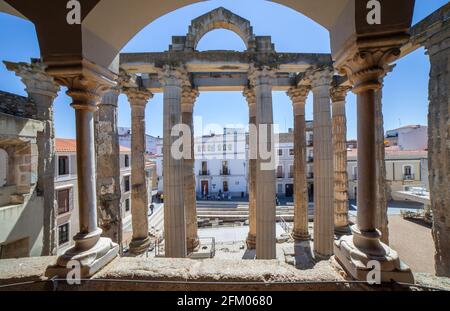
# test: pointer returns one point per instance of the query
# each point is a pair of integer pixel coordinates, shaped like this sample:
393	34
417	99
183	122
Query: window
127	160
63	234
291	171
225	186
63	165
407	172
126	183
219	147
291	152
280	171
280	152
199	149
280	188
127	205
225	168
63	199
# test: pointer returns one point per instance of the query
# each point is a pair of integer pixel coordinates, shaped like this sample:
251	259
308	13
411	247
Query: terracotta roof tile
70	145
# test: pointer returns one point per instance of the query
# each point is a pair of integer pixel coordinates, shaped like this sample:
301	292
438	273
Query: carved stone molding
86	81
138	96
365	68
174	76
299	94
263	75
188	97
36	80
319	77
339	93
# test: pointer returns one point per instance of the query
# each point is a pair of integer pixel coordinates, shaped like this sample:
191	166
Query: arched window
3	167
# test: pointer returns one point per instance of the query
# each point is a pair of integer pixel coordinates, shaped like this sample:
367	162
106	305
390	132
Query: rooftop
70	145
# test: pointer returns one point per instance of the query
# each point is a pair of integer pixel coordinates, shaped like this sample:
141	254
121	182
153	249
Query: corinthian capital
188	97
339	93
299	94
260	76
36	80
249	94
320	77
86	81
173	76
366	68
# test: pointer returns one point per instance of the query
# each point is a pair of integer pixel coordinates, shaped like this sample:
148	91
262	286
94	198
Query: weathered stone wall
16	105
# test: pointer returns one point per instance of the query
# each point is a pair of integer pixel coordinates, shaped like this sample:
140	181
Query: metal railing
203	173
225	172
310	159
408	177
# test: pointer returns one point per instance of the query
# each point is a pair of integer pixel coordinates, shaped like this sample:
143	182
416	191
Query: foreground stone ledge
172	274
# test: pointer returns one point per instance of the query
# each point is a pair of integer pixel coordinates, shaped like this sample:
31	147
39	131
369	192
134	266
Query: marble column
261	80
339	132
42	89
86	83
189	96
355	252
298	96
323	163
108	167
172	80
138	98
437	45
249	94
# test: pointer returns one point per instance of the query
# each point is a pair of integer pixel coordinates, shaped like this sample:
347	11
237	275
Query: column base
251	241
91	260
301	236
139	246
343	230
192	244
354	252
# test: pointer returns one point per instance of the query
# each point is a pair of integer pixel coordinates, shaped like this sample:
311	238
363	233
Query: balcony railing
310	159
225	172
408	177
203	173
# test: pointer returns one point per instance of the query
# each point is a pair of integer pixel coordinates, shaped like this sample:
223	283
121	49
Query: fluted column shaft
323	164
298	96
43	90
138	99
174	214
339	132
190	205
249	94
265	166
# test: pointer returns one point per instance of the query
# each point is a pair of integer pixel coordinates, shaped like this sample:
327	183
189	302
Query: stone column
42	89
355	252
86	83
339	132
437	45
108	167
189	96
381	218
174	215
261	80
323	164
298	96
138	98
249	94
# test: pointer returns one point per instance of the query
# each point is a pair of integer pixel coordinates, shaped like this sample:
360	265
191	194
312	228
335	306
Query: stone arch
219	18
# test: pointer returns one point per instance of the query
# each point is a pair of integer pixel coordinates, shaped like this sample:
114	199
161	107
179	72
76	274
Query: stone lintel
220	61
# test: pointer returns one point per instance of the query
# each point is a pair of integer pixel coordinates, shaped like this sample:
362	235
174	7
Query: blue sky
405	94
